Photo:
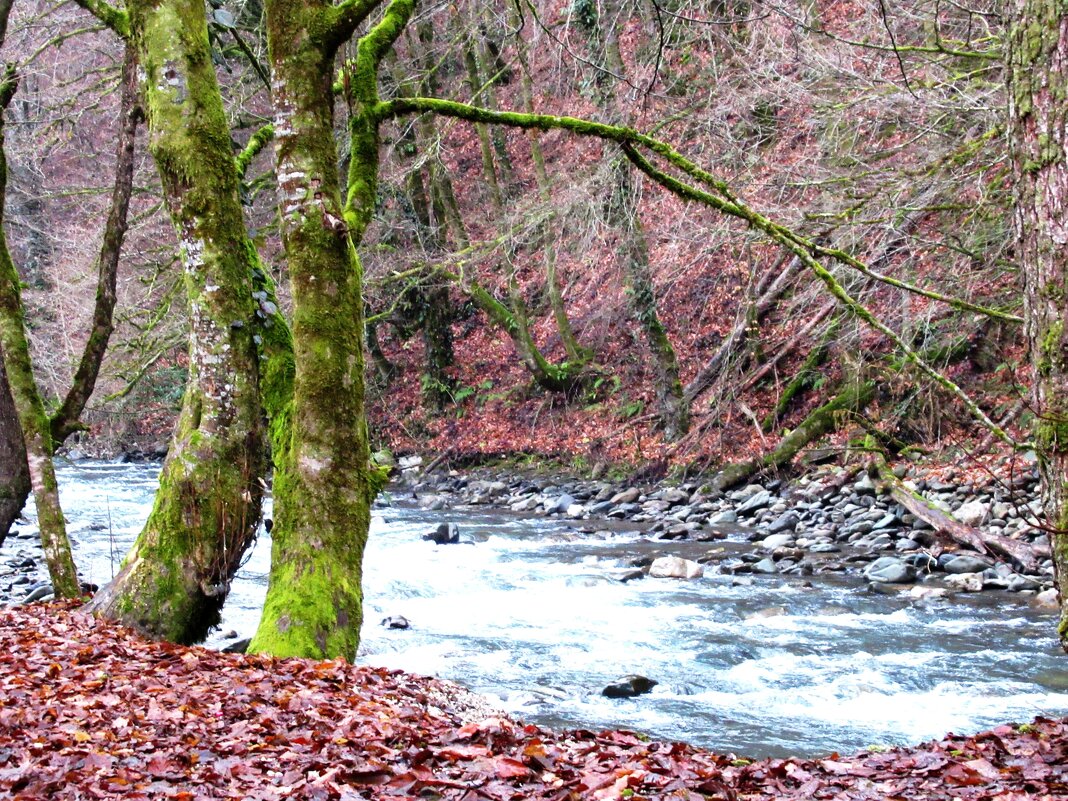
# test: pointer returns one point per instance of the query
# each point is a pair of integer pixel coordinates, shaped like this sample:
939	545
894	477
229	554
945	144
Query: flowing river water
532	614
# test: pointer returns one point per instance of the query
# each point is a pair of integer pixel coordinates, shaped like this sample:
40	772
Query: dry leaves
88	710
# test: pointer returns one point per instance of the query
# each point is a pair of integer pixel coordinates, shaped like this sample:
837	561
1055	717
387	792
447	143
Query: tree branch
115	18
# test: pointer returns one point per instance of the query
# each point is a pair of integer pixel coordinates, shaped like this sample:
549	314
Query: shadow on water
531	613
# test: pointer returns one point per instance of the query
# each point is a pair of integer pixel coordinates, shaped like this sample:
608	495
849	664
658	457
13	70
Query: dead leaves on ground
90	711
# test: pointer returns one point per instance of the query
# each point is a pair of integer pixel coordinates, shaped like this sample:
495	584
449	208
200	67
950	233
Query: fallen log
985	542
850	399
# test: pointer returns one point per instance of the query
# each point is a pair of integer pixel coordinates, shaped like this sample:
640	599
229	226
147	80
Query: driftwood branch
985	542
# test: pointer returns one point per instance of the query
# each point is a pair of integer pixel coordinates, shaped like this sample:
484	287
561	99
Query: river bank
539	612
832	521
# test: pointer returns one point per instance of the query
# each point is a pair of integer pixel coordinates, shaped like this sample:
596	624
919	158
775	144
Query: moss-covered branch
342	20
727	202
114	18
256	143
850	400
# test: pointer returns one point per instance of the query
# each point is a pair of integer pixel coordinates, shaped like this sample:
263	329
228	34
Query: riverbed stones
398	622
965	582
675	567
785	522
755	503
890	570
444	534
777	541
629	495
629	687
964	563
972	513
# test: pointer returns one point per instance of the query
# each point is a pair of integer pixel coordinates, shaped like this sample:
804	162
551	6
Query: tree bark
850	399
176	577
67	418
14	471
1038	115
28	405
672	403
323	485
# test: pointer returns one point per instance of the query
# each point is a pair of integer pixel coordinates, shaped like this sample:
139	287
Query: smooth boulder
444	534
629	686
890	570
675	567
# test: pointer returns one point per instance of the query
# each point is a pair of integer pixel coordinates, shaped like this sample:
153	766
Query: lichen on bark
176	576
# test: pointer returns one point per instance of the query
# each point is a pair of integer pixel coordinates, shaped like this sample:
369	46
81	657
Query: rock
37	592
675	567
629	686
784	522
777	541
629	495
965	582
972	513
920	593
1047	599
726	517
444	534
239	647
965	563
559	504
766	567
757	502
230	635
886	521
763	614
675	497
864	485
396	622
1018	583
890	570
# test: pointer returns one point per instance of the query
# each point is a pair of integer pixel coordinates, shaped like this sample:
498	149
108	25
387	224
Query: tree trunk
67	418
850	399
27	399
323	486
14	472
176	577
1038	114
674	407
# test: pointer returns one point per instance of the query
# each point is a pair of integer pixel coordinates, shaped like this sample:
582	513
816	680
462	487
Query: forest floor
90	710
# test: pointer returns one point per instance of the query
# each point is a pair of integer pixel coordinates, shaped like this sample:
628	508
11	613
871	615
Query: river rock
965	563
444	534
239	647
629	686
675	567
777	541
629	495
890	570
864	485
965	582
921	593
1047	599
763	614
761	500
784	522
972	513
37	593
766	567
675	497
559	504
396	622
1018	583
726	517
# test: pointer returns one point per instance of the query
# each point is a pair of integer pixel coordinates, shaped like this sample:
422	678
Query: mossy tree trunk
174	580
66	419
26	398
323	487
633	249
1038	115
14	472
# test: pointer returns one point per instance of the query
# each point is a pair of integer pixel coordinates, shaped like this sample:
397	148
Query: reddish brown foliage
89	710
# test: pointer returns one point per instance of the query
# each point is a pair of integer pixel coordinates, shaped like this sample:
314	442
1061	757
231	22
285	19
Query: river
531	614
